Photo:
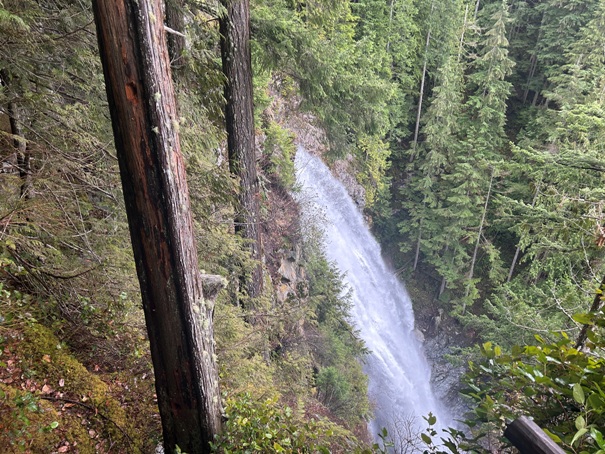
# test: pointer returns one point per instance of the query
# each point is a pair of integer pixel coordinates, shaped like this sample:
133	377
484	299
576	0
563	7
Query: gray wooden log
529	438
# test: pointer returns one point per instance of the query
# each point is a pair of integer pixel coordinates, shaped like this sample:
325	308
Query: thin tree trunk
533	61
518	250
392	7
239	118
23	153
512	265
139	87
596	305
417	255
19	142
476	10
472	270
443	280
460	48
419	112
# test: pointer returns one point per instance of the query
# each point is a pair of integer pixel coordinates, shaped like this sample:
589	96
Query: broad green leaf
578	434
598	437
580	422
584	319
578	393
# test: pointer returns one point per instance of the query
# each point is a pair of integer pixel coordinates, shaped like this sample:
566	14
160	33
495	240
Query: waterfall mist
399	375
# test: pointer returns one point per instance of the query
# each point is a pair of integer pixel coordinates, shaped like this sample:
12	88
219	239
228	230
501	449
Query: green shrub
263	426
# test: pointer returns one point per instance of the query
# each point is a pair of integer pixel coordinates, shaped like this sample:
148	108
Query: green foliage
265	426
373	157
337	78
557	384
340	381
280	149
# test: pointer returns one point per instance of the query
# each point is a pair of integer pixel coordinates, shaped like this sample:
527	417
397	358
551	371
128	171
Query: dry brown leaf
46	358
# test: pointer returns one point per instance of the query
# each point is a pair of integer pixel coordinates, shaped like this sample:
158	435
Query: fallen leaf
92	433
63	449
46	389
61	383
46	358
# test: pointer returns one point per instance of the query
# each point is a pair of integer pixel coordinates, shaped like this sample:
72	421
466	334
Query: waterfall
399	375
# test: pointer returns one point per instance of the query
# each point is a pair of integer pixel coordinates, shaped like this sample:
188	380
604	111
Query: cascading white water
399	375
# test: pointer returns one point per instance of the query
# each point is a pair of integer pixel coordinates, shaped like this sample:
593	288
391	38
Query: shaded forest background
477	132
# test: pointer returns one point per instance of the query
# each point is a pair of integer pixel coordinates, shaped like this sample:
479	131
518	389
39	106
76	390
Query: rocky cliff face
292	276
308	134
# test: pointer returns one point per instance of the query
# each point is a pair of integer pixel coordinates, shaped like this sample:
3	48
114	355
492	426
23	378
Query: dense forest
476	132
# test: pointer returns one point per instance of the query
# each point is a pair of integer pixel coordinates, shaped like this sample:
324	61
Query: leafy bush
558	384
263	426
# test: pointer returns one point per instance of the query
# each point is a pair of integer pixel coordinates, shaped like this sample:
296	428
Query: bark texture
239	118
19	142
175	19
133	50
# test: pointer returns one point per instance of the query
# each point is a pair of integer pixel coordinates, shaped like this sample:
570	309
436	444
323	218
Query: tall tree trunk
518	250
391	9
239	118
23	153
461	46
141	98
19	142
472	270
175	20
421	98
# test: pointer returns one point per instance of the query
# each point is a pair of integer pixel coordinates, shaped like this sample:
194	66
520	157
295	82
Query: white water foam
399	375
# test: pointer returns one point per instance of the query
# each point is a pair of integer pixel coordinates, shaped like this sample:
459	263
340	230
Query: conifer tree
178	318
239	120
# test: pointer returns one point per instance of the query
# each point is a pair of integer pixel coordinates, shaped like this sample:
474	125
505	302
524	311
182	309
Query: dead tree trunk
141	98
239	118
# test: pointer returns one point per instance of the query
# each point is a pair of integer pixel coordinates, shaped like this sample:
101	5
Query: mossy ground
51	402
